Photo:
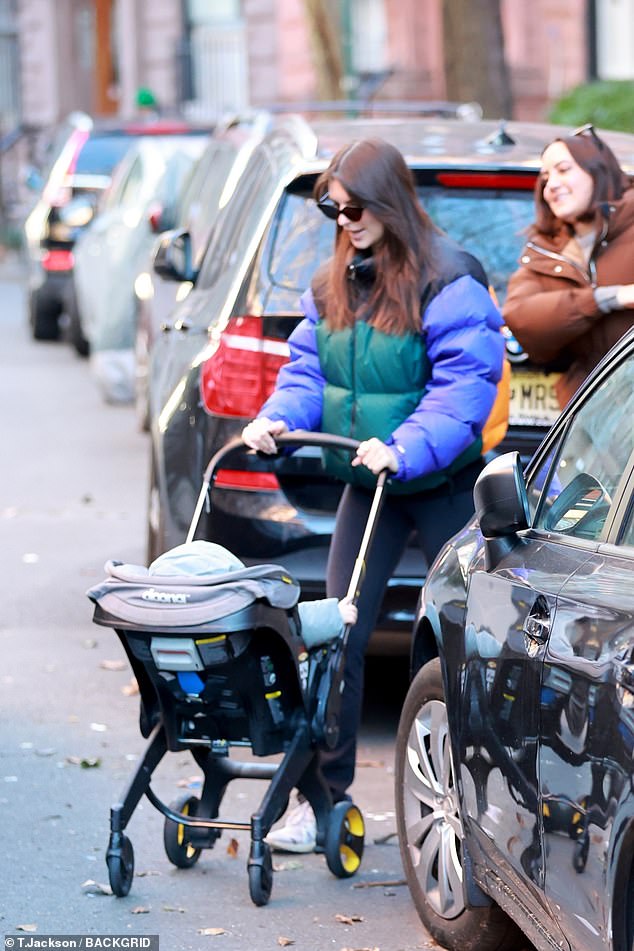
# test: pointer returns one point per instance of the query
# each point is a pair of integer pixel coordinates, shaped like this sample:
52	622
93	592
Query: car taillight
241	479
57	260
241	372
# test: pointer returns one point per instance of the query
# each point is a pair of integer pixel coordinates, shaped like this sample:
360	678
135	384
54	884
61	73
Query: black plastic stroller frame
298	720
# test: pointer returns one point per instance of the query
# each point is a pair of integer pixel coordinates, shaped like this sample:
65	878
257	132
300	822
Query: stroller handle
299	437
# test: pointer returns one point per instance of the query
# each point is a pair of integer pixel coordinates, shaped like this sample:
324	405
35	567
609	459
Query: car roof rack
469	111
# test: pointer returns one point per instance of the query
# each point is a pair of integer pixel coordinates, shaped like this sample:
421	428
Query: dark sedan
515	751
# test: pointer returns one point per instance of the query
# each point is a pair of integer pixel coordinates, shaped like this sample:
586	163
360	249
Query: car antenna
500	137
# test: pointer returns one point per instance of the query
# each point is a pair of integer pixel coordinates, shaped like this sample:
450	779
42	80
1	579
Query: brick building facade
217	56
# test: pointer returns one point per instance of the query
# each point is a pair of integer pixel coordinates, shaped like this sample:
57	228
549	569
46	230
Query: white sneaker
299	832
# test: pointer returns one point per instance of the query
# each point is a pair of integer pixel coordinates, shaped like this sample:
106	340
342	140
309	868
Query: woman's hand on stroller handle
376	456
260	434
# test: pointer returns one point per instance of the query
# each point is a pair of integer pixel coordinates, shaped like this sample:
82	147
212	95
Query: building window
615	39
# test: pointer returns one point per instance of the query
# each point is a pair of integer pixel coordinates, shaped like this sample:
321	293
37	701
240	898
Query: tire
155	520
75	331
120	862
261	877
175	835
44	313
431	848
344	840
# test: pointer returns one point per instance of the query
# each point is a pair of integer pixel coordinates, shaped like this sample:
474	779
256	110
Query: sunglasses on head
332	210
588	129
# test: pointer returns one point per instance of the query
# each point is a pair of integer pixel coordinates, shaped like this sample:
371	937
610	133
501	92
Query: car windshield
491	224
101	153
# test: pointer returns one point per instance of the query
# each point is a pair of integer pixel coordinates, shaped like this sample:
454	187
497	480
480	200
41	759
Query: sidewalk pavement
12	265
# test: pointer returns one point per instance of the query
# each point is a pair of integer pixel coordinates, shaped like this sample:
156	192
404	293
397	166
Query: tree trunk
323	23
475	67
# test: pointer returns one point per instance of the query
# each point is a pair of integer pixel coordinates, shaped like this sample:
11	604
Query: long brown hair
375	175
596	158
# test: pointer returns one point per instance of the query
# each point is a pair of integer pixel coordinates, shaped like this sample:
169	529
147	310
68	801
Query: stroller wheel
120	861
260	871
178	848
344	839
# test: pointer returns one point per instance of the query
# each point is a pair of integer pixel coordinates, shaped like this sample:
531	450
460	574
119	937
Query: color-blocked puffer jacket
426	395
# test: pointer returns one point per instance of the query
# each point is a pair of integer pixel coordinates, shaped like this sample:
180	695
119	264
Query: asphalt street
73	486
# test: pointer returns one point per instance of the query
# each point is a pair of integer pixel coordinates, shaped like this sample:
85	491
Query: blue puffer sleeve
298	395
466	350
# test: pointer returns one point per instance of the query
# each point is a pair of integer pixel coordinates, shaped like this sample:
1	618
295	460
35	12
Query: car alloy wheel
430	829
430	810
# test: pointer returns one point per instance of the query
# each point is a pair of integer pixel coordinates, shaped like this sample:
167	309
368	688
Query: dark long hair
375	175
596	158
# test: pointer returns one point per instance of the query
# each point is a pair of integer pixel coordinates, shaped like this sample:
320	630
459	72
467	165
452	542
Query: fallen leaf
113	664
291	866
232	848
284	942
86	762
389	884
129	690
97	888
190	782
26	927
140	910
382	839
348	919
212	931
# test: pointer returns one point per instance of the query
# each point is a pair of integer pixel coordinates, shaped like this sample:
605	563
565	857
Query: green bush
608	104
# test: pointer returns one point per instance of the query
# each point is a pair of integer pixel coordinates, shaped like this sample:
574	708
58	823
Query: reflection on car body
533	695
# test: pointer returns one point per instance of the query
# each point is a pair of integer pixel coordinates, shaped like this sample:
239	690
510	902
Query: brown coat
550	306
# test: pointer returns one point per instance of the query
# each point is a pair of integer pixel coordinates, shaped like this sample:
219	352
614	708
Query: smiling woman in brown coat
572	297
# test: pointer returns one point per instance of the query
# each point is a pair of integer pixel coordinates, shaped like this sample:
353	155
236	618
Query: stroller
221	663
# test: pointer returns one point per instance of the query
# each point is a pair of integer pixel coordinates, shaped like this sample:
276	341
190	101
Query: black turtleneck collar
361	268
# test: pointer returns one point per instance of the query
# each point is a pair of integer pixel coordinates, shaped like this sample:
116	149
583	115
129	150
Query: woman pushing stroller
399	348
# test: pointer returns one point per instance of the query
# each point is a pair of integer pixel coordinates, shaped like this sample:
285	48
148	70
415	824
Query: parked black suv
214	366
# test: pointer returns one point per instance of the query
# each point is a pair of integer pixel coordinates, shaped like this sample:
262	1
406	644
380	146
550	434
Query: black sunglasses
588	129
332	210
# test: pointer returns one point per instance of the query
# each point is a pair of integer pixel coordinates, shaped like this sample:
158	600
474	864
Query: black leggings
435	516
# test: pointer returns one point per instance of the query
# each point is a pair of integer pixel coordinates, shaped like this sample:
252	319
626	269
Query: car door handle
624	674
537	627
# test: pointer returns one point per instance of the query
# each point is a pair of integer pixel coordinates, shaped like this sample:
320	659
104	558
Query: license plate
533	399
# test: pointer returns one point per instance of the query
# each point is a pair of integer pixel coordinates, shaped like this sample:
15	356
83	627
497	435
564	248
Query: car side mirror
173	257
501	505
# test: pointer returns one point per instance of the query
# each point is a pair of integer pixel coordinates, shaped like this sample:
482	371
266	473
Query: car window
572	490
301	239
199	203
490	224
234	228
100	154
127	189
